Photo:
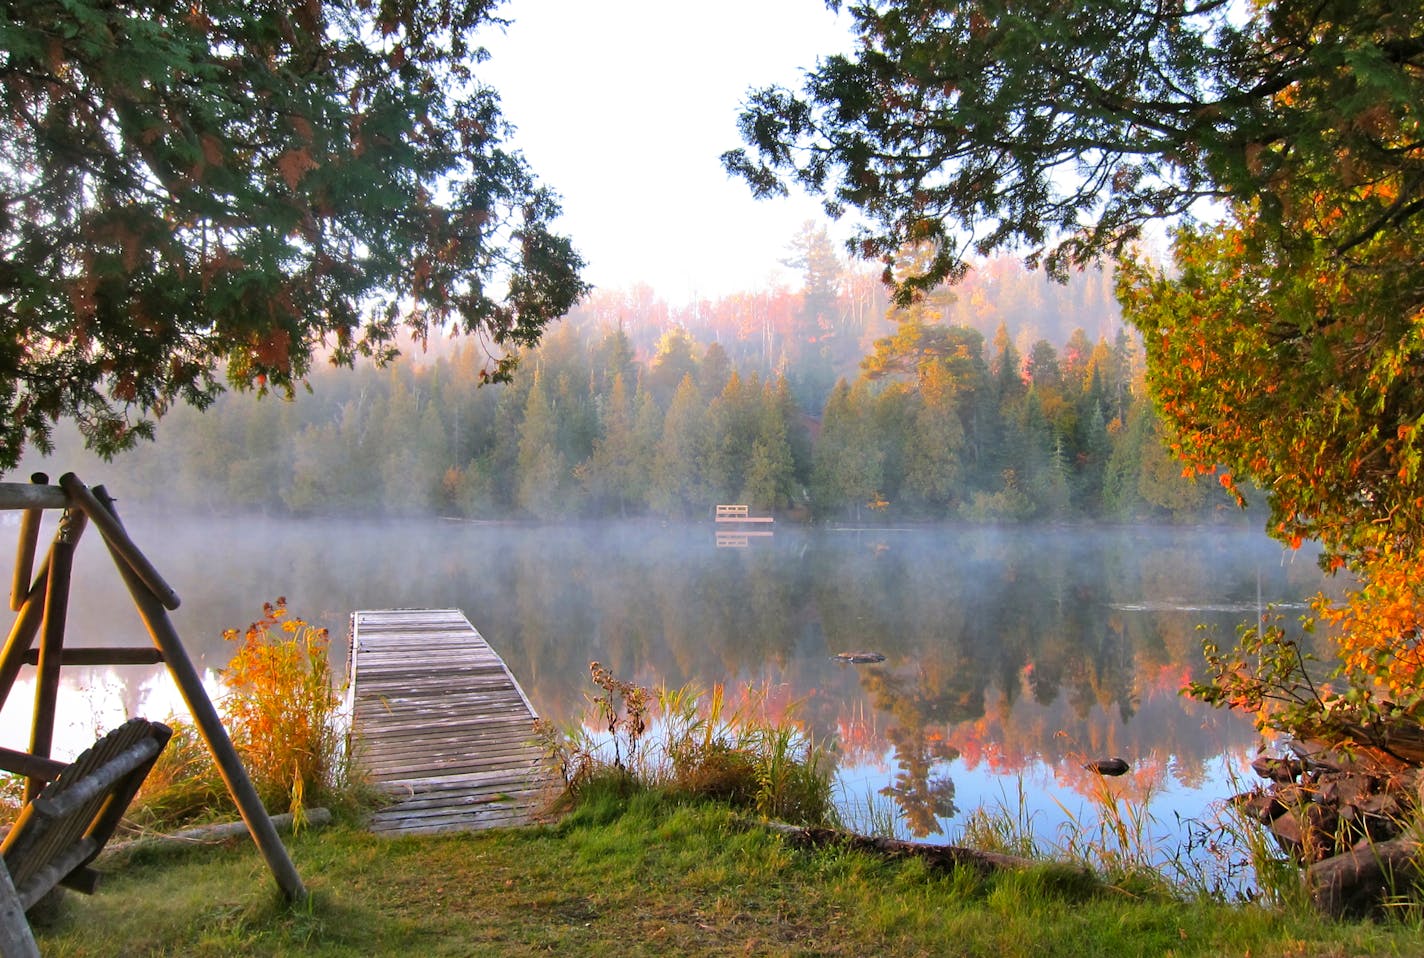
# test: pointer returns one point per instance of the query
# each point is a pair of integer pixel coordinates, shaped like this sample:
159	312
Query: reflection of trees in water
922	795
995	641
1165	725
1168	739
999	620
857	730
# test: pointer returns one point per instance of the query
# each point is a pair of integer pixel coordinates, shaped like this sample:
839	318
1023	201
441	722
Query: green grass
648	876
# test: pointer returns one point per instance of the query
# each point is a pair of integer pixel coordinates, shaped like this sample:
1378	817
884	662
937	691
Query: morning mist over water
1012	655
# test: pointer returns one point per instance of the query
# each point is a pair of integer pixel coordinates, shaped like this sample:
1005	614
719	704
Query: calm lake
1011	656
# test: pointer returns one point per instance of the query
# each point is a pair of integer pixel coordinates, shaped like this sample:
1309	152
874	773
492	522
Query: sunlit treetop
1285	346
1061	128
227	188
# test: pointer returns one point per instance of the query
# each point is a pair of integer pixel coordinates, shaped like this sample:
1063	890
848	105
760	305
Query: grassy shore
649	876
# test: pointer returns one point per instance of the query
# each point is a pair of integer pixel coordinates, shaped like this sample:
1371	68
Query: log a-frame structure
39	598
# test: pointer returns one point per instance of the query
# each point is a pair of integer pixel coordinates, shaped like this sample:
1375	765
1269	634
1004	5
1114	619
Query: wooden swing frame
39	599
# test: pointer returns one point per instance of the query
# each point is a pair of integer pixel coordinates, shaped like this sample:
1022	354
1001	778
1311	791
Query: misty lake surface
1012	656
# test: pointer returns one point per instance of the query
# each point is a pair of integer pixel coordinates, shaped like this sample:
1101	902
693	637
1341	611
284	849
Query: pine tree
677	487
933	473
542	475
204	193
770	472
847	464
615	475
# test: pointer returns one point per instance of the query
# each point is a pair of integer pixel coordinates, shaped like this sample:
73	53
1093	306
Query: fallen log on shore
1359	881
213	834
938	857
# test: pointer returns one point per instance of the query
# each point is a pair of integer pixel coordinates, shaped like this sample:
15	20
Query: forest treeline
822	403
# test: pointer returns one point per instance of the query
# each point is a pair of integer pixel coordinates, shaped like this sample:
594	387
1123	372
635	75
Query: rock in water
1108	766
859	658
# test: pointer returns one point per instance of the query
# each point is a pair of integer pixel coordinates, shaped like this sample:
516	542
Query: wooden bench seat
68	822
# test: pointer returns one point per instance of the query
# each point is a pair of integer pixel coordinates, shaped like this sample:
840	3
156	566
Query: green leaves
1061	128
187	188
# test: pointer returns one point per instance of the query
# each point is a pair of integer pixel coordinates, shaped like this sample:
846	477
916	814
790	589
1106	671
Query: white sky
624	106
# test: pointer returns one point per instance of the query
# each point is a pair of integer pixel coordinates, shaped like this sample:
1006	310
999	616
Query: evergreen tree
891	427
770	481
1121	496
798	437
933	474
399	487
678	488
542	475
615	475
1043	368
847	465
194	193
713	370
1076	364
812	345
732	424
673	361
613	357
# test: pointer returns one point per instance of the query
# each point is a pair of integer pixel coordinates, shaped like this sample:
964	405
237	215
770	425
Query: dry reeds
282	712
689	742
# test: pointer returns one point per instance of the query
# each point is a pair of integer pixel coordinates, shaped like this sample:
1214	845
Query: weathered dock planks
440	724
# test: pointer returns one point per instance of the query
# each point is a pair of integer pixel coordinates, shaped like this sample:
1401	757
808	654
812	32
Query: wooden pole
205	716
25	597
16	939
118	541
25	557
147	655
56	613
27	495
22	634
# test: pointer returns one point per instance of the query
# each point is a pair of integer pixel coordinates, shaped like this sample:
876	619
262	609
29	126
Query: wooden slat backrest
69	821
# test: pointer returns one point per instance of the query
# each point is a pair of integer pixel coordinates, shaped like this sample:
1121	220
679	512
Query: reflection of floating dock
441	724
740	538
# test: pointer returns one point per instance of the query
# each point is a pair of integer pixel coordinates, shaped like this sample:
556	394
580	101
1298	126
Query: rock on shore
1346	814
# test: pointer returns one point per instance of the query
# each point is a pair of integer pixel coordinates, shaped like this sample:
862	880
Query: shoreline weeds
648	876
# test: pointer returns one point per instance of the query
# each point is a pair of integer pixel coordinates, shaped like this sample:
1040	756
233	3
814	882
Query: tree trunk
942	857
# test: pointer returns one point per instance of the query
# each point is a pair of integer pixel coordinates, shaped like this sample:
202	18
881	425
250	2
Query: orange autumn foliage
1379	625
1296	367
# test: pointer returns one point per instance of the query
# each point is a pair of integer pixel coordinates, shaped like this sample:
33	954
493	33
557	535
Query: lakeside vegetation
656	846
649	876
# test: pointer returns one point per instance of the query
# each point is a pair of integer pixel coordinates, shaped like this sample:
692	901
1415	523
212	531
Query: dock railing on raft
40	600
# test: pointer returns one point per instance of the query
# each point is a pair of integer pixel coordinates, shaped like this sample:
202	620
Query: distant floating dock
440	724
732	526
738	515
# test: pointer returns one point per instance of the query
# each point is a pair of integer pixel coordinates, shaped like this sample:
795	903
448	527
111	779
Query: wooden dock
737	515
440	724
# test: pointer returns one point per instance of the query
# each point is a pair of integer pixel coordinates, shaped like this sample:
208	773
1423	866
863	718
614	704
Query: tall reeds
687	741
281	709
1223	856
